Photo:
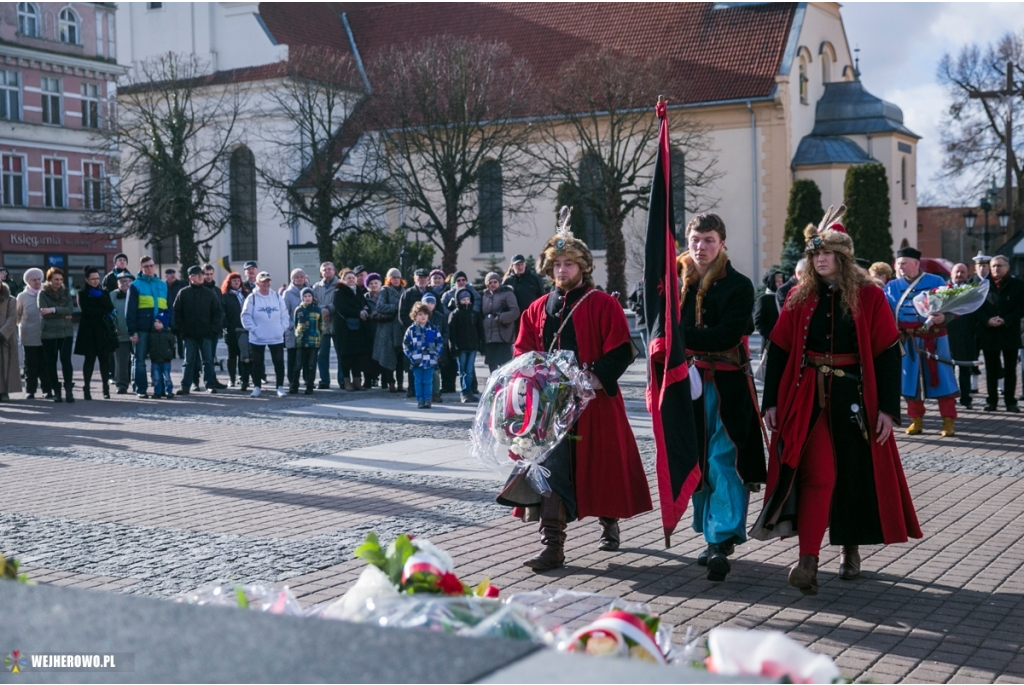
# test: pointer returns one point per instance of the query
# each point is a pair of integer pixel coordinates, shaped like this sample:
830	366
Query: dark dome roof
847	109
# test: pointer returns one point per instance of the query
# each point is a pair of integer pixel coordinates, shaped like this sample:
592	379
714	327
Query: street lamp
1004	219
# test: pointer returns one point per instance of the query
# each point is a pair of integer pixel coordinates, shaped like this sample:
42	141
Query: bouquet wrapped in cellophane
528	406
951	299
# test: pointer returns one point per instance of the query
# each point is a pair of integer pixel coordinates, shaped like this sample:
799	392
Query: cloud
901	46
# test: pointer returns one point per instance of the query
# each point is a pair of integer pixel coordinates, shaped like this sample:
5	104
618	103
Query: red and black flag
668	385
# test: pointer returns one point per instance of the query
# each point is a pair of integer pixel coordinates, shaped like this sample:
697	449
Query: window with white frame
70	30
51	100
28	19
92	185
54	184
111	43
99	33
12	181
90	105
10	95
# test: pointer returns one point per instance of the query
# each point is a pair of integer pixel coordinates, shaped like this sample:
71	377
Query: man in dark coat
197	317
526	285
174	286
110	280
780	294
963	341
999	333
716	305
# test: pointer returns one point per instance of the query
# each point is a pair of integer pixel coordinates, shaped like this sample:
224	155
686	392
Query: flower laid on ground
418	566
769	654
619	633
264	598
951	299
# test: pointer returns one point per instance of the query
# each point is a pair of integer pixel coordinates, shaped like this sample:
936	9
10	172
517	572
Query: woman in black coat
97	331
351	330
232	297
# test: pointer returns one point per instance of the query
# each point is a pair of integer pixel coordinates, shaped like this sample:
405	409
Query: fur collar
689	276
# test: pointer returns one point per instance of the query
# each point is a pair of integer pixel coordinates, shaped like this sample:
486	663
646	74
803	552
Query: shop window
492	237
10	95
51	100
54	184
12	181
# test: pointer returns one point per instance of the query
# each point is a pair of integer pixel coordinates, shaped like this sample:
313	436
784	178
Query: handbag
353	324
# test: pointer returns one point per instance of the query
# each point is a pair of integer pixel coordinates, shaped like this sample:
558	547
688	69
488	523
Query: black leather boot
609	534
68	395
552	535
849	562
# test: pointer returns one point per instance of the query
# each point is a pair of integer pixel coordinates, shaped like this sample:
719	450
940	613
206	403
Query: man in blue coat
927	365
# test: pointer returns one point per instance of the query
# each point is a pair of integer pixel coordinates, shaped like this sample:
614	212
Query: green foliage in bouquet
392	561
9	570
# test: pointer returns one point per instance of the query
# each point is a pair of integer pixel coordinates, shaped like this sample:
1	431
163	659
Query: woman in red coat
597	470
833	461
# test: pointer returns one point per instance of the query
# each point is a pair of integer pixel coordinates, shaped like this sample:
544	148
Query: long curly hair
849	280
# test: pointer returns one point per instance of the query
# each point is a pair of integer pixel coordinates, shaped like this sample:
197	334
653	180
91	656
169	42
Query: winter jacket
410	296
30	323
94	335
231	304
500	312
323	293
118	299
292	297
309	325
266	318
422	345
1007	302
448	299
389	334
147	297
527	288
465	330
162	346
58	324
351	332
197	313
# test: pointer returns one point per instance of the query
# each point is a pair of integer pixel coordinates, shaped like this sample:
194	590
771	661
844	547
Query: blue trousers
466	360
720	506
423	376
141	348
162	379
196	348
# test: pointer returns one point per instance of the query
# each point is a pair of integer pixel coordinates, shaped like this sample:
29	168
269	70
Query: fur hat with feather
564	243
829	234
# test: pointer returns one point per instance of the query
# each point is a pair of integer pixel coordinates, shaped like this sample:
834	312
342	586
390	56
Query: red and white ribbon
625	624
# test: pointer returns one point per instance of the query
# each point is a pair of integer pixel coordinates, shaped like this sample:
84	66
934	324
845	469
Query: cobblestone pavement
157	498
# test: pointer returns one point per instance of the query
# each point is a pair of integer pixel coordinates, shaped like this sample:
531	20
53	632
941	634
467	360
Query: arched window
591	186
489	192
69	31
679	189
242	192
28	19
828	56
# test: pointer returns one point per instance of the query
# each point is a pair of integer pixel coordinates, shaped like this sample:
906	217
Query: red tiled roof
732	52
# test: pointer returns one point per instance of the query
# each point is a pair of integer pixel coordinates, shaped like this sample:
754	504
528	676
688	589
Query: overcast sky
900	48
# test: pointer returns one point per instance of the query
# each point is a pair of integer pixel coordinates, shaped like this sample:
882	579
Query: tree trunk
188	250
450	250
615	258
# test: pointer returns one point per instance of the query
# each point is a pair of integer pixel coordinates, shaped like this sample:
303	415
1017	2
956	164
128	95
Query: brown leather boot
609	534
348	385
849	562
804	576
357	383
552	535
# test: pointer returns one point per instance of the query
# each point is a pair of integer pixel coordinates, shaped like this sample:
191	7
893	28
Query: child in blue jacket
422	345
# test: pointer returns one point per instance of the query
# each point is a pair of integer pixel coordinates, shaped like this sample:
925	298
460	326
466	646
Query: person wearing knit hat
500	312
716	302
596	470
926	342
831	397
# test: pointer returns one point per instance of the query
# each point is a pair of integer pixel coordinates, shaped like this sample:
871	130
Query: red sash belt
912	329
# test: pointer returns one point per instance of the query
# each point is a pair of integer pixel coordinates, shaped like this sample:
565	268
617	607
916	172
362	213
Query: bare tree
444	111
973	132
316	105
175	126
603	144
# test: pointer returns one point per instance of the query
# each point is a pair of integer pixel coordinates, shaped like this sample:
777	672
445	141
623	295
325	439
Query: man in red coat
831	397
597	470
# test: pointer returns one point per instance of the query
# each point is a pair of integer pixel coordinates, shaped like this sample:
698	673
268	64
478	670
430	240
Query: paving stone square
157	498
